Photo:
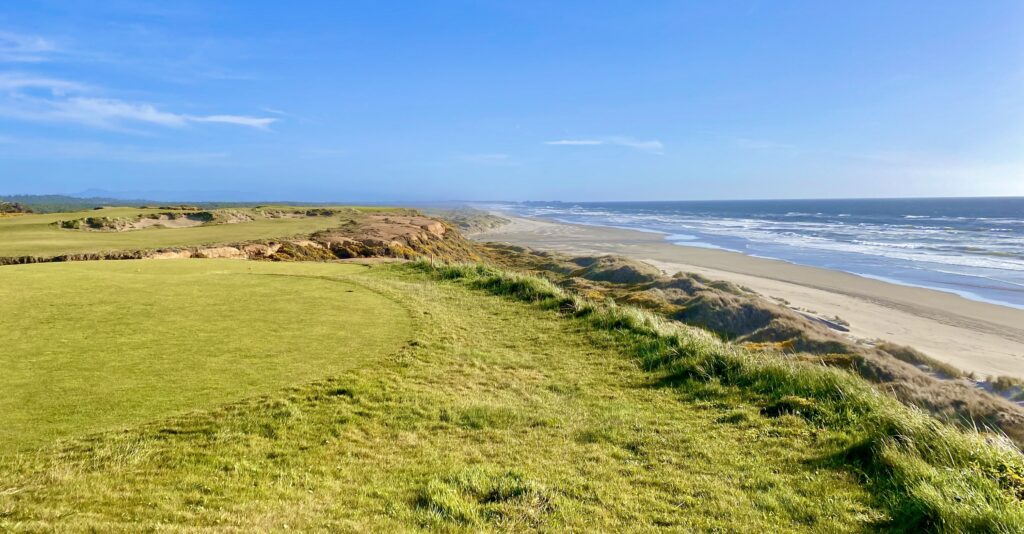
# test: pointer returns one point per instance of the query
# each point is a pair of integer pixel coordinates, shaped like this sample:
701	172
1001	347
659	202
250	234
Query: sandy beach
987	339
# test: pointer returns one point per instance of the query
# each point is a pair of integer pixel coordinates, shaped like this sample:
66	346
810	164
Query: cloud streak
575	142
104	112
74	102
13	81
20	48
98	112
237	120
653	146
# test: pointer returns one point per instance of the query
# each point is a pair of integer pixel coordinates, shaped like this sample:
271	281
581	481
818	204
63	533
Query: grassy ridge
930	475
36	235
95	345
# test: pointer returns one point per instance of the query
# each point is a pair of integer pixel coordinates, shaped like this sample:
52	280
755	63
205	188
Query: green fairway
495	416
97	345
36	235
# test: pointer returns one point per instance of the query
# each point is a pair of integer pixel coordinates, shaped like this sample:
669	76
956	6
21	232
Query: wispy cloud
647	146
105	112
14	81
74	102
21	48
575	142
101	112
238	120
653	146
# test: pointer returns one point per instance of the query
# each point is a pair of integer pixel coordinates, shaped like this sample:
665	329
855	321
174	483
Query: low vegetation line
929	474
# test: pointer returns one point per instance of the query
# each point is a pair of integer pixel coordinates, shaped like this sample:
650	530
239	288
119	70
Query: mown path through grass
497	415
89	346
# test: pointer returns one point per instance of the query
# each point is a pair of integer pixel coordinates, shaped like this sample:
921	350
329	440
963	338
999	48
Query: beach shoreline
976	336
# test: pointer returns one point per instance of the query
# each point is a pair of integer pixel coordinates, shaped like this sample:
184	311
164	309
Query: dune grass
498	415
88	346
928	474
35	235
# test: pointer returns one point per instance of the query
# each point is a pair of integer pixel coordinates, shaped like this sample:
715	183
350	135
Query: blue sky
513	100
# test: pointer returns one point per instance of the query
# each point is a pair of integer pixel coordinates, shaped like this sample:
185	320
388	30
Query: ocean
973	247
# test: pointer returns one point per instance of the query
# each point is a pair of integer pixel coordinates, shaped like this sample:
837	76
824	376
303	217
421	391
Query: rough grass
477	496
36	235
615	269
737	315
928	474
498	416
94	345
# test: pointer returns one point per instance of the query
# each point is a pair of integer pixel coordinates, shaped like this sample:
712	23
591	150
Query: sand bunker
166	222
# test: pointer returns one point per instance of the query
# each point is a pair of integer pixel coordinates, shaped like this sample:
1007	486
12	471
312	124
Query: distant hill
58	203
66	203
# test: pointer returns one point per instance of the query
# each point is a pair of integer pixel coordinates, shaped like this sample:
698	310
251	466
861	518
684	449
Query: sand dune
975	336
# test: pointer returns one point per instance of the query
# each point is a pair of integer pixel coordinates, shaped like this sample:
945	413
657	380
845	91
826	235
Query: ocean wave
871	237
912	243
966	292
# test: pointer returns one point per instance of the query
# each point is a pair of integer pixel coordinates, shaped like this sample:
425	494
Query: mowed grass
88	346
35	235
497	415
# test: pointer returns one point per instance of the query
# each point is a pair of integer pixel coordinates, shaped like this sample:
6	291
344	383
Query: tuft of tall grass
917	358
476	495
498	282
929	474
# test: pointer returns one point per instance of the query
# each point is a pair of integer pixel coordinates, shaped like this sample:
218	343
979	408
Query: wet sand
987	339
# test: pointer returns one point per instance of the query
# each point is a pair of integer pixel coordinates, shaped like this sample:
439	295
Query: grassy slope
34	235
929	474
95	345
499	414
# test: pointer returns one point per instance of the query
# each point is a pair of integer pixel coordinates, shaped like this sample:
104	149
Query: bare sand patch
165	221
